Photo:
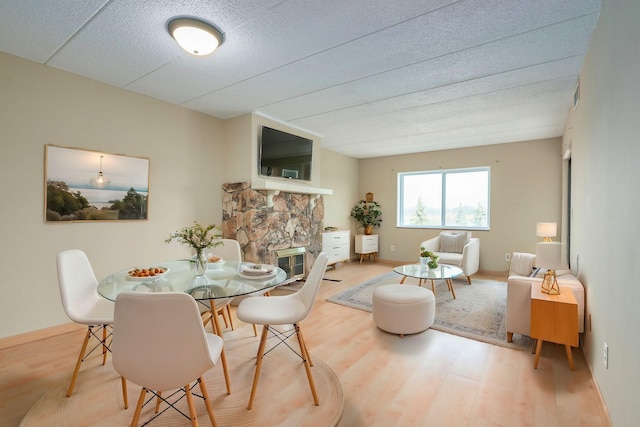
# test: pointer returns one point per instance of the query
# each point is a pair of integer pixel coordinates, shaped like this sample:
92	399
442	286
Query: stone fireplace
265	222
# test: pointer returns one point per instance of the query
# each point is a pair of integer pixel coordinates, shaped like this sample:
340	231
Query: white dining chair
159	343
284	310
83	304
229	250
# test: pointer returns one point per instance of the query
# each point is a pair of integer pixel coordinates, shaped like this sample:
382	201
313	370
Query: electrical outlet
392	247
605	356
507	256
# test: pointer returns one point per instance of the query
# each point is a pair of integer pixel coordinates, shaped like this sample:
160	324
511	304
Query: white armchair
458	248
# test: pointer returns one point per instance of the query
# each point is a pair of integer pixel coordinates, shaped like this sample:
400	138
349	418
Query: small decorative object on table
367	214
428	259
199	238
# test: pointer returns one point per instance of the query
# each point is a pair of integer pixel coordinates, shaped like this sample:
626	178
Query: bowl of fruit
146	274
214	261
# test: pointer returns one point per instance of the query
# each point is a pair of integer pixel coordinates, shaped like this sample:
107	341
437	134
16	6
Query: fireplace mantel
286	185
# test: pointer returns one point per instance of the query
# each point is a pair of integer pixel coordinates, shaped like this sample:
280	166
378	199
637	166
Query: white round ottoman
403	309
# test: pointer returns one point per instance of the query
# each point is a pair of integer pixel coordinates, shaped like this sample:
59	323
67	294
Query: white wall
606	202
526	187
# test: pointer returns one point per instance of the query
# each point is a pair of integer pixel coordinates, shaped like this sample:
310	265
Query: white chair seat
281	310
215	344
99	311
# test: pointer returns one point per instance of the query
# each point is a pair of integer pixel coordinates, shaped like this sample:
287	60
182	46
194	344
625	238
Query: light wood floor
427	379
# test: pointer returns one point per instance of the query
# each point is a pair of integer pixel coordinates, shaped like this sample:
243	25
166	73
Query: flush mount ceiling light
196	37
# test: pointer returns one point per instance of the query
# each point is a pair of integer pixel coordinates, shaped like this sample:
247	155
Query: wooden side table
554	318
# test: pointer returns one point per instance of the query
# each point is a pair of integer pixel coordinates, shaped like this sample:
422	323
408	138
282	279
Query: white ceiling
372	77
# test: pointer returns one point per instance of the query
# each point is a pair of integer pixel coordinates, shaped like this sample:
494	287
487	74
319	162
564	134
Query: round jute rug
283	397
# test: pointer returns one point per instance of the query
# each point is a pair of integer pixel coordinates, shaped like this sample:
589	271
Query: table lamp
548	255
546	230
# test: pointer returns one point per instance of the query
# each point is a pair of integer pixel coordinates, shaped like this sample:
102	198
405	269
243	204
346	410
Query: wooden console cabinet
337	245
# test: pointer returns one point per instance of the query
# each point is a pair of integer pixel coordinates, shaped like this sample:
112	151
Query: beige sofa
519	294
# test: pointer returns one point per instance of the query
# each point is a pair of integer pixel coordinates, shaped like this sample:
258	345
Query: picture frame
87	185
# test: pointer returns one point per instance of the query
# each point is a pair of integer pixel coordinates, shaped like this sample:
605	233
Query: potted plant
368	215
198	238
428	258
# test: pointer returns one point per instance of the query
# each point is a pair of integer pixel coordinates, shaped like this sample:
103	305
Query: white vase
424	261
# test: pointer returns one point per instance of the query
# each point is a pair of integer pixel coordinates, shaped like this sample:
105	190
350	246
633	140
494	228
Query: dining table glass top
221	280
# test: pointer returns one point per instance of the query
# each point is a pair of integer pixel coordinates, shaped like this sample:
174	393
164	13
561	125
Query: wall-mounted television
284	155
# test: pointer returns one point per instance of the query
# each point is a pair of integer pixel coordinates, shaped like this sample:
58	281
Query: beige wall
191	156
526	187
339	173
605	152
39	106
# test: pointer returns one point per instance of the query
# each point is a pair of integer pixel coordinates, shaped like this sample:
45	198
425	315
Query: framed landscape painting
84	185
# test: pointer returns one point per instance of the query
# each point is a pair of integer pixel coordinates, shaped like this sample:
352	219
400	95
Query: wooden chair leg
303	348
125	396
136	414
230	317
307	366
79	362
207	402
104	344
221	312
223	356
158	401
263	342
192	407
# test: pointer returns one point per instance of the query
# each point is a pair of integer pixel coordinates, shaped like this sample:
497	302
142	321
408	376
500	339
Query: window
444	199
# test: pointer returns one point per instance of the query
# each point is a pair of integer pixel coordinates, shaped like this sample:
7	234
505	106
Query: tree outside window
444	199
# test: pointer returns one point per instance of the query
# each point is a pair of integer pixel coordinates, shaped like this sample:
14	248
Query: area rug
283	396
478	312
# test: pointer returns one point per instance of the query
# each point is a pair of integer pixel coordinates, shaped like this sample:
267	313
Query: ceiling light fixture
196	37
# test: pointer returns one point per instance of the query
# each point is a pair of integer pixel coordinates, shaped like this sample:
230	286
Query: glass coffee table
443	272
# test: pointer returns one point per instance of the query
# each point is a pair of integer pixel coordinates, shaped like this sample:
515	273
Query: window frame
443	173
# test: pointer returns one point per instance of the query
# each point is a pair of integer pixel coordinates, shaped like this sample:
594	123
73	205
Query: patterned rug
478	312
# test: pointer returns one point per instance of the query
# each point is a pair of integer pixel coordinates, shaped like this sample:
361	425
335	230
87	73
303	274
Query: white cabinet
367	244
337	245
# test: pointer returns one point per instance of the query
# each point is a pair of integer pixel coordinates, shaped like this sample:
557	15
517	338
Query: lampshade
549	255
546	230
196	37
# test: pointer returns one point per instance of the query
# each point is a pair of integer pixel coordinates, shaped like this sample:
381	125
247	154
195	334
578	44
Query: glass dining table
222	280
